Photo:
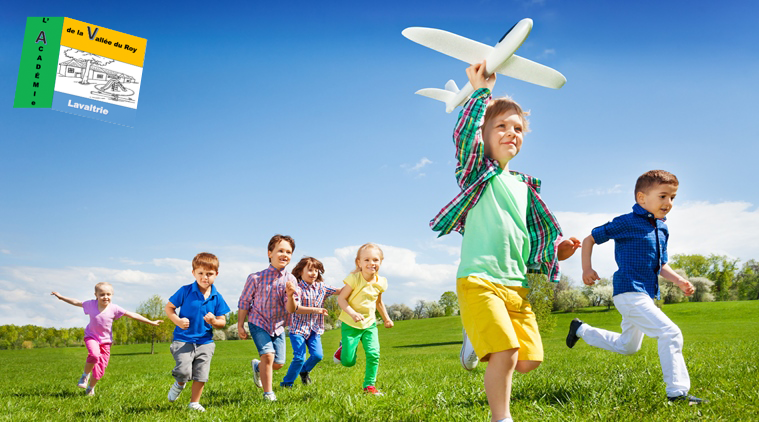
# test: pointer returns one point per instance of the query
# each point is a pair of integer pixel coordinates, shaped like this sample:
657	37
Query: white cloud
5	251
416	168
598	192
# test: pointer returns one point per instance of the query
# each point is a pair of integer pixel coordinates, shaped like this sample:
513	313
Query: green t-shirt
496	243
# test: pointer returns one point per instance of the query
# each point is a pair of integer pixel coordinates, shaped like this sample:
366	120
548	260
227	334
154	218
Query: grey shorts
193	361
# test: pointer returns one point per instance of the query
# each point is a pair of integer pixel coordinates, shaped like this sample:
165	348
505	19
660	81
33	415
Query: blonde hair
497	106
652	178
205	260
103	284
363	248
306	262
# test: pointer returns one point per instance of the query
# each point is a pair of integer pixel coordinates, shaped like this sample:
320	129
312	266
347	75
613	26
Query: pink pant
98	354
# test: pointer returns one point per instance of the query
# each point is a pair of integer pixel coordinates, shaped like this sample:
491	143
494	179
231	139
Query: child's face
369	263
104	295
205	277
658	200
310	274
280	256
503	135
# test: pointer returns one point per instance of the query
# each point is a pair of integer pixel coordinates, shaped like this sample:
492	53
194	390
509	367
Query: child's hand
686	287
357	317
241	332
184	323
290	288
55	294
590	276
567	248
209	318
389	323
477	77
322	311
156	322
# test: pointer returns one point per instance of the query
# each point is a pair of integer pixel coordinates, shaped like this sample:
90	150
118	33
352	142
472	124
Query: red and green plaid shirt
473	172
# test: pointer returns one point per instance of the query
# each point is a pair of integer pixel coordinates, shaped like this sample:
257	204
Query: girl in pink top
98	335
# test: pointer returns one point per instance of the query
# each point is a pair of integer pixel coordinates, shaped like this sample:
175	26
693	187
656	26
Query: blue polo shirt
640	249
193	306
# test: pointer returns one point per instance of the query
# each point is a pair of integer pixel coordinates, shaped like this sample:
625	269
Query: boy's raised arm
68	300
470	150
684	285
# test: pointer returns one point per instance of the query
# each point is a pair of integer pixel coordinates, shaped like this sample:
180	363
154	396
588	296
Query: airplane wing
527	70
450	44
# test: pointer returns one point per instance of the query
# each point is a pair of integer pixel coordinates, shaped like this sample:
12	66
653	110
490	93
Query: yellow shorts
498	318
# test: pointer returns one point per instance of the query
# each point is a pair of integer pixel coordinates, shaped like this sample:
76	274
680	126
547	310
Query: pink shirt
101	323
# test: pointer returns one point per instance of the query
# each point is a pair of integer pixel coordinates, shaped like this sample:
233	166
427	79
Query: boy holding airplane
509	232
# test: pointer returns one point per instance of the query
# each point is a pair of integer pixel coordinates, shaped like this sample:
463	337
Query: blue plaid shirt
640	249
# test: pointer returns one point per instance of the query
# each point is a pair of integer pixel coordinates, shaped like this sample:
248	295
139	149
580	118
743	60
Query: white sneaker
90	391
468	357
196	406
83	381
175	391
256	376
270	397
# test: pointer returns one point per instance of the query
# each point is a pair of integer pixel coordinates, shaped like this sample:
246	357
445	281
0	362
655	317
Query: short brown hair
652	178
278	238
205	260
497	106
306	262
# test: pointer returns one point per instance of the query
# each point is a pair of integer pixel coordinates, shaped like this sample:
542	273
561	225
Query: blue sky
300	118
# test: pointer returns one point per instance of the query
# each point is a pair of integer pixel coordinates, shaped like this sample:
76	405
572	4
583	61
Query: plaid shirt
640	249
473	172
264	296
311	295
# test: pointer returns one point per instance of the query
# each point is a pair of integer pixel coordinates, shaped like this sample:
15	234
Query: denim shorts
266	343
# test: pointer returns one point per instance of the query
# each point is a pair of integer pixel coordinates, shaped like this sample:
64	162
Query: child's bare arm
138	317
478	77
567	248
383	312
242	318
311	310
684	285
291	305
342	300
215	321
589	275
171	312
68	300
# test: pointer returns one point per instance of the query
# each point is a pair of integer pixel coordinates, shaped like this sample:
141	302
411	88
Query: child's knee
317	356
348	363
525	366
93	357
182	374
275	366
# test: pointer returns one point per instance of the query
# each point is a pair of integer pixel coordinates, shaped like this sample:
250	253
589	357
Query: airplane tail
450	95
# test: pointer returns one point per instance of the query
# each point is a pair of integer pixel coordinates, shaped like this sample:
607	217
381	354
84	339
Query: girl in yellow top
360	297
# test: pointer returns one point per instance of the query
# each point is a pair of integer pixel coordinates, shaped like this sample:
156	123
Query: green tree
718	268
450	303
747	281
153	309
541	298
694	265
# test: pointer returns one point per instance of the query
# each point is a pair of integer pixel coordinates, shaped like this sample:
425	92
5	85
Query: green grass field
420	376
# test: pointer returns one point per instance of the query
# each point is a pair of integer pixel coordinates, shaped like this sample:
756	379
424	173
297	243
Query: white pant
641	316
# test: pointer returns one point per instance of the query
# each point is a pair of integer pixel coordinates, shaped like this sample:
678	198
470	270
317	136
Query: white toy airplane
500	59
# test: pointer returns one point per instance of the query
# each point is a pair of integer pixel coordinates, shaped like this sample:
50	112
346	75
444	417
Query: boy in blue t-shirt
201	309
640	249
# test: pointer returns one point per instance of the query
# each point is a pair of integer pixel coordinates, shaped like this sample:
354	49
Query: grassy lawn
419	374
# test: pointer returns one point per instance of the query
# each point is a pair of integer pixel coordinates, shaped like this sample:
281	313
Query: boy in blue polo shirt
640	249
201	309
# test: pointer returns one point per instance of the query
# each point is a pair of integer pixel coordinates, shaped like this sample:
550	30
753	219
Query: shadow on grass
428	345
